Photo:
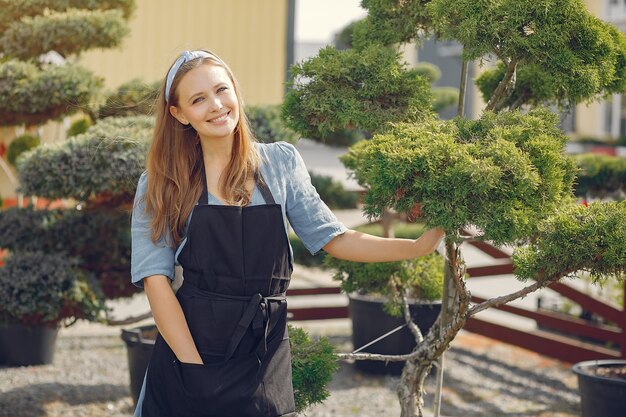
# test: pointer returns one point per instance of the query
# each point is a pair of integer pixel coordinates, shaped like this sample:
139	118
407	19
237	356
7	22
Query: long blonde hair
175	165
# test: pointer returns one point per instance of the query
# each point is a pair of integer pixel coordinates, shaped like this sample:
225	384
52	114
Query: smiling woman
216	202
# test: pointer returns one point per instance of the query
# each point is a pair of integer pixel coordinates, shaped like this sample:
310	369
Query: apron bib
236	267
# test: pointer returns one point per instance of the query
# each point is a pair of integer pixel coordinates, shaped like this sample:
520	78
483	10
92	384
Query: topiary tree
505	174
99	171
33	92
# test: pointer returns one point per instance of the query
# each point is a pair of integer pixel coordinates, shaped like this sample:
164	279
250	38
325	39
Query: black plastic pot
26	345
139	344
600	396
369	321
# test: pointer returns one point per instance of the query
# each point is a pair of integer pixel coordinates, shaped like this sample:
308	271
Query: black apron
236	267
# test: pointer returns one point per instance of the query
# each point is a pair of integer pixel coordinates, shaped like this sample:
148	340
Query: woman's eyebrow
202	92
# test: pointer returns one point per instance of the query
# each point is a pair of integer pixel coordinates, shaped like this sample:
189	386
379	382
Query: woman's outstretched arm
361	247
170	319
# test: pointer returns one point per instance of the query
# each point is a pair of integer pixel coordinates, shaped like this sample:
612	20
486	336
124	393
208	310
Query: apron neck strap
259	181
265	191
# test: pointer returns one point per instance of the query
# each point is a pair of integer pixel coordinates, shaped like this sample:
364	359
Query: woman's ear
178	115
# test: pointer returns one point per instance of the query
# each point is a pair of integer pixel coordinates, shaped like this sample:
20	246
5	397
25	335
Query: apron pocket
225	388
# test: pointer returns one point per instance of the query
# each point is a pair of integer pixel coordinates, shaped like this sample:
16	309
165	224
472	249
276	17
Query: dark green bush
74	232
39	288
267	125
600	175
78	127
21	144
132	98
108	158
31	95
69	32
333	193
313	364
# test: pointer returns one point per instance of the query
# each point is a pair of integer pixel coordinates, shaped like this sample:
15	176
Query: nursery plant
504	175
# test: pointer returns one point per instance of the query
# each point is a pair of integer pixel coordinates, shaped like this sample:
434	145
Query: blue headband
184	57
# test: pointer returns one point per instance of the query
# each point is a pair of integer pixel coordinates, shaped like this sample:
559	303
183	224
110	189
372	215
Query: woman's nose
216	105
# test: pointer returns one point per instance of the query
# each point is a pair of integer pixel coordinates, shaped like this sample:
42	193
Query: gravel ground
89	378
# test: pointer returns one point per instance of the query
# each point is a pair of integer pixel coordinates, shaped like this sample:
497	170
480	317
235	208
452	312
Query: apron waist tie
256	315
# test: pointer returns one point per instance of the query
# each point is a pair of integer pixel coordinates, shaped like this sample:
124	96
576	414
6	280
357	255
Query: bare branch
378	357
419	338
504	299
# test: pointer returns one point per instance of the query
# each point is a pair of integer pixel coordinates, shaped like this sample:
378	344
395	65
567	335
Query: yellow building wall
588	119
249	35
596	7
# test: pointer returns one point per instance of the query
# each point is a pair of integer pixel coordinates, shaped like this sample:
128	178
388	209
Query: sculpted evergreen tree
33	91
505	174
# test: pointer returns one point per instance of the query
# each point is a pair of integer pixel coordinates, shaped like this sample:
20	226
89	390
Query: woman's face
207	101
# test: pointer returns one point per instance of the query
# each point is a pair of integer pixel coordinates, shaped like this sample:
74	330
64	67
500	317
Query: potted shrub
602	387
375	293
39	292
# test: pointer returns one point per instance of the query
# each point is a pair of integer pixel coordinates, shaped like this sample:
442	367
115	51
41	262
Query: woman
216	202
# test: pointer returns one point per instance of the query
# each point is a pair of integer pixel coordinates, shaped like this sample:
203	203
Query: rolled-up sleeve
311	219
147	257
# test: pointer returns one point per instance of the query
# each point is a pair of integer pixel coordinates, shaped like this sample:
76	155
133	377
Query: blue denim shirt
286	175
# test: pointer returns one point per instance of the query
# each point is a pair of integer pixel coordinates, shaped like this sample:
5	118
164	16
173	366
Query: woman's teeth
219	119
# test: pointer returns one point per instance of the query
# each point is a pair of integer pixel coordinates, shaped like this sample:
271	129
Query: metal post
622	341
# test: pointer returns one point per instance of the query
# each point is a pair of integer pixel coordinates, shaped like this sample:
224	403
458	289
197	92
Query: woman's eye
197	99
219	90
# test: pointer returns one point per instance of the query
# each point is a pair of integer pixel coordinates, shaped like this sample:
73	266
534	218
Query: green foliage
132	98
313	364
444	97
421	277
363	89
577	238
333	193
425	69
1	201
39	288
341	138
390	22
600	175
20	145
502	173
79	126
108	158
13	10
267	125
562	51
31	95
74	232
67	33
